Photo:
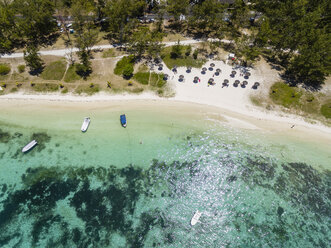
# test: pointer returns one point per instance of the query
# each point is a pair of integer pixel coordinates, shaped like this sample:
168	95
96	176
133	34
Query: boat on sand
195	218
29	146
85	124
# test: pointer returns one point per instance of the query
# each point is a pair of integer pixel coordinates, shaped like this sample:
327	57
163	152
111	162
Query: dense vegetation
299	100
293	34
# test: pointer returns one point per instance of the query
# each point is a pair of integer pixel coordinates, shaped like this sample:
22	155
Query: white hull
195	218
29	146
85	124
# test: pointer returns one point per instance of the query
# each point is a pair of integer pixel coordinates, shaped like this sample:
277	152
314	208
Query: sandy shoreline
231	103
246	118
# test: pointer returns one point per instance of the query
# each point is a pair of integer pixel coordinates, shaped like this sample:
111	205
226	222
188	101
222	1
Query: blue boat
123	120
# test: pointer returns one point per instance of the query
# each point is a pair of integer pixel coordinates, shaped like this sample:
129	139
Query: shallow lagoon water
140	186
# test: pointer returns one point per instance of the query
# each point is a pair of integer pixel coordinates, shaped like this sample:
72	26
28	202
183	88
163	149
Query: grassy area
108	53
153	79
45	87
87	89
285	95
181	59
326	110
111	52
123	63
54	70
71	74
295	98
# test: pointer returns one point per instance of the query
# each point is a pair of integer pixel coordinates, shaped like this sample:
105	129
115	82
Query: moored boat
123	120
195	218
85	124
29	146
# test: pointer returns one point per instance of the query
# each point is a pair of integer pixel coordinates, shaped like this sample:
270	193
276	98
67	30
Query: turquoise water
140	186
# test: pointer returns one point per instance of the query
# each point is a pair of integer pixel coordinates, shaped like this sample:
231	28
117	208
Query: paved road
65	52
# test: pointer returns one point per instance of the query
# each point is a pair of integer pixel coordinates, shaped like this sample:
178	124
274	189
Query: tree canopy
295	33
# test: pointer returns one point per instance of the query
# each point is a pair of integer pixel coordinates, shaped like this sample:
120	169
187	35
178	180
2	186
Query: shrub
122	63
195	54
4	69
21	68
127	71
188	50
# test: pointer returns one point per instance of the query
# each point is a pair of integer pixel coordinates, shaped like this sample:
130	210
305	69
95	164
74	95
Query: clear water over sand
140	186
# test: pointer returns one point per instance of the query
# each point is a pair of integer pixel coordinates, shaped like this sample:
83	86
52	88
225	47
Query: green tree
122	16
144	41
36	23
298	33
33	60
207	18
9	33
176	8
86	33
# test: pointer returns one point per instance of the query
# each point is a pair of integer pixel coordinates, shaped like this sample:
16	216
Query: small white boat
195	218
85	124
29	146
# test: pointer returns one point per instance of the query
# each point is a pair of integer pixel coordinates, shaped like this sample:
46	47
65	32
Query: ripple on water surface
248	199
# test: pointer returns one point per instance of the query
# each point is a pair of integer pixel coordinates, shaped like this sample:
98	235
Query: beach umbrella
234	72
210	81
204	69
247	74
196	79
218	70
165	77
212	65
256	84
225	83
181	77
160	67
236	83
243	84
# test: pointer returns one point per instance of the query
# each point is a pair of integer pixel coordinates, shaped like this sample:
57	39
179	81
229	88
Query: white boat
195	218
85	124
29	146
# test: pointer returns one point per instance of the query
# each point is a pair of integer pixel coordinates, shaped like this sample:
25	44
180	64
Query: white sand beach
231	101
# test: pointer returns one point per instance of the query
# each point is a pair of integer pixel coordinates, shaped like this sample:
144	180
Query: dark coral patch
4	136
